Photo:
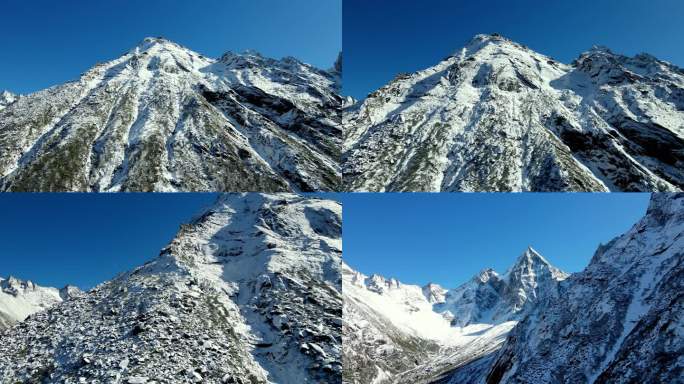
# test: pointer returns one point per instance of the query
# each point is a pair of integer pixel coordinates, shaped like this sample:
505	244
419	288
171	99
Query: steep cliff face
398	333
248	292
164	118
498	116
618	321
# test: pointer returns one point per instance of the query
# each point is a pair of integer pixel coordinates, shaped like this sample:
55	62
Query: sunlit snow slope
164	118
497	116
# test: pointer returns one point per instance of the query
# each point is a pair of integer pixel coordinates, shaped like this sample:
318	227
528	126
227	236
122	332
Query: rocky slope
618	321
19	299
248	292
398	333
497	116
164	118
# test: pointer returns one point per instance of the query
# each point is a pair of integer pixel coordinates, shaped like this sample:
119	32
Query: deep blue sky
56	239
84	239
384	37
48	42
449	237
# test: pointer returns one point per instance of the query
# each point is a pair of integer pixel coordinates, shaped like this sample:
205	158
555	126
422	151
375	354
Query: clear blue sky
384	37
56	239
47	42
84	239
449	237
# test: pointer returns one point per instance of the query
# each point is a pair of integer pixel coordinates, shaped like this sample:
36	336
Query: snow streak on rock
497	116
248	292
164	118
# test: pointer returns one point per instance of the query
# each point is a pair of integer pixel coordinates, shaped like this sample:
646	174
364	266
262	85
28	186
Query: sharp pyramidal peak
497	116
164	118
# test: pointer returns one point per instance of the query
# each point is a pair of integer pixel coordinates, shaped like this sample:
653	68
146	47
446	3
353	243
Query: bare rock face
618	321
248	292
164	118
497	116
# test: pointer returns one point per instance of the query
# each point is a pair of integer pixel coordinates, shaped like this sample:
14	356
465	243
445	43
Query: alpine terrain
618	321
248	292
398	333
164	118
19	299
497	116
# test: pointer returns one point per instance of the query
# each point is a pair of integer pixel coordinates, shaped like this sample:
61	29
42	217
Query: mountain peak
531	256
600	49
480	41
532	266
149	41
155	44
488	38
13	285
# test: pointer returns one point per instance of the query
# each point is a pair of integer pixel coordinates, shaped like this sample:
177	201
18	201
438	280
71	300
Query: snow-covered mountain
618	321
497	116
20	299
248	292
399	333
164	118
7	98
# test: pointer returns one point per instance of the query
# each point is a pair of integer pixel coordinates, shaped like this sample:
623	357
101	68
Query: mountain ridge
163	118
497	116
247	292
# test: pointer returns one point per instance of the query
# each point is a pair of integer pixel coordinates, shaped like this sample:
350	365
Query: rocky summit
497	116
248	292
164	118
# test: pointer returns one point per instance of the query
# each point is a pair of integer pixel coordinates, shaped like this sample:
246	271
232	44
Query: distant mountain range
20	299
164	118
617	321
497	116
409	334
